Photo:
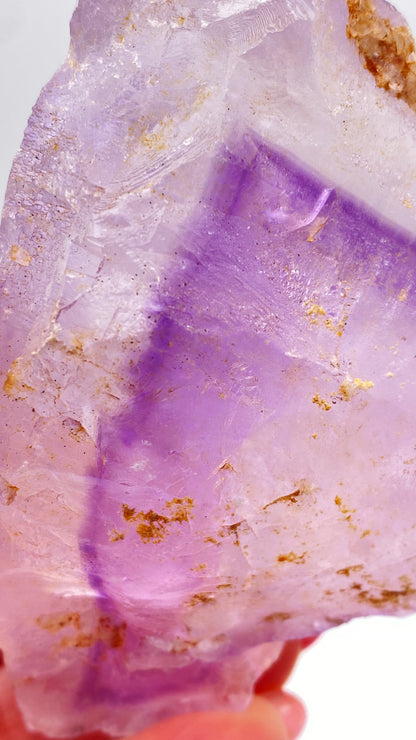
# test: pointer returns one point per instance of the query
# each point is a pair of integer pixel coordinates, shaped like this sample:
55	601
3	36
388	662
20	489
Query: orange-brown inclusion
151	526
385	50
388	596
104	631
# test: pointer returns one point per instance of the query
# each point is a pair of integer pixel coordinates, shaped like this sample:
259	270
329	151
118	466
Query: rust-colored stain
387	51
226	466
77	431
19	255
234	531
201	598
199	567
316	226
212	540
104	630
14	384
183	646
343	508
349	569
277	617
290	498
129	513
291	557
180	509
388	597
116	536
57	622
8	492
303	486
153	526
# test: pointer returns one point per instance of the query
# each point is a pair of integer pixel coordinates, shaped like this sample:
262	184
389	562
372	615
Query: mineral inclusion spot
208	277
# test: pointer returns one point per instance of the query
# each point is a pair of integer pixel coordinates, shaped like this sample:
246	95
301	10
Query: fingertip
261	721
280	670
308	641
291	710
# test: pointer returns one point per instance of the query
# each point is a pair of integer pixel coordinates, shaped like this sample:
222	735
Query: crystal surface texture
208	276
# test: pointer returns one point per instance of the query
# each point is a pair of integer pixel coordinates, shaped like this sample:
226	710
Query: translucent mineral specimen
208	352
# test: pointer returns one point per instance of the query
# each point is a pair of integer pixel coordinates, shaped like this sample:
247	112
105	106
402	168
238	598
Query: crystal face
207	357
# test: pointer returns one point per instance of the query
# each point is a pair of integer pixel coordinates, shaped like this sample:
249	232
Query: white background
358	681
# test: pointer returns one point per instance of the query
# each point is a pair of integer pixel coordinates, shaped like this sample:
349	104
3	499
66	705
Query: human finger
278	673
263	720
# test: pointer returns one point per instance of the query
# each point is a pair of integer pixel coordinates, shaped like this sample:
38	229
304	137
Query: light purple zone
217	346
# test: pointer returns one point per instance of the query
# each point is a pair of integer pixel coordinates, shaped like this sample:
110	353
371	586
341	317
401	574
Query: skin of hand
272	715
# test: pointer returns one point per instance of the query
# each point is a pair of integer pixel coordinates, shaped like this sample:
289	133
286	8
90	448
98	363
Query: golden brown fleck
277	617
339	326
363	385
316	227
19	255
81	640
291	557
111	634
212	540
14	384
59	621
343	508
388	597
315	312
76	430
180	509
226	466
128	512
152	526
199	567
201	598
232	529
8	492
105	631
182	646
349	569
321	402
350	388
387	51
314	309
116	536
290	498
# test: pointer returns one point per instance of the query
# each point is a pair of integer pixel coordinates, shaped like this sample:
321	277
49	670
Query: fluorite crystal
208	352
